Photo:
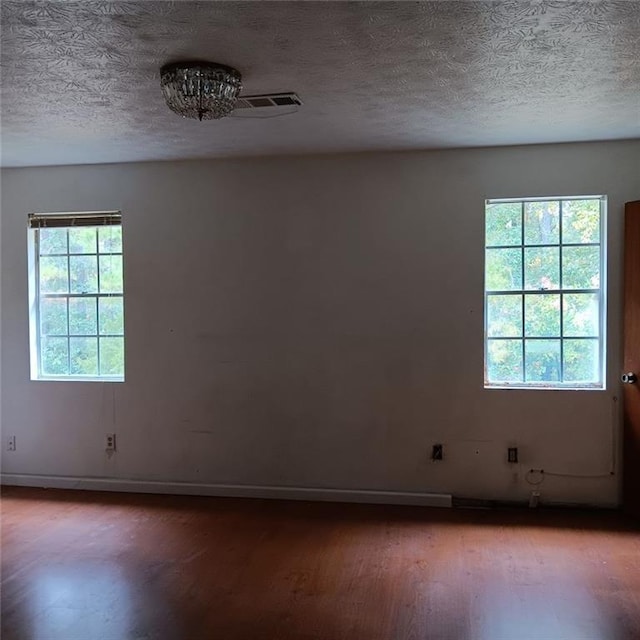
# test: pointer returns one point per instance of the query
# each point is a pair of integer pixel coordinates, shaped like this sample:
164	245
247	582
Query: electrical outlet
110	442
436	452
534	499
11	443
512	454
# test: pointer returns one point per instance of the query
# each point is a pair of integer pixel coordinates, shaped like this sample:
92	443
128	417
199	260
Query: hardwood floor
100	566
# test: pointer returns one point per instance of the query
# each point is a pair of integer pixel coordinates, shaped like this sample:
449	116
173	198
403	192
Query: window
76	296
544	292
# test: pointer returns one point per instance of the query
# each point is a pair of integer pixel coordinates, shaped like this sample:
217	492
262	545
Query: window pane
542	268
542	222
84	356
503	269
84	274
504	361
580	221
553	283
53	316
111	316
504	224
53	275
542	360
54	356
581	361
542	315
52	241
112	356
82	316
82	240
581	315
581	267
111	274
74	266
110	239
504	316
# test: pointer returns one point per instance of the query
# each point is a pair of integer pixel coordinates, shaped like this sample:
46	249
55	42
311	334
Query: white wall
311	322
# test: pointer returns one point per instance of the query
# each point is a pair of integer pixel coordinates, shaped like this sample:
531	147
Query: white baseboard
228	490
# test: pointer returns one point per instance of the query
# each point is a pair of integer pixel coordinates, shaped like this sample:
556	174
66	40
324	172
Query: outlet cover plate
110	442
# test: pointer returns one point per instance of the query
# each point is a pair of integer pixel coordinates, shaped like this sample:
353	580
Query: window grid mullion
541	246
539	292
97	301
533	337
115	253
86	295
68	308
94	335
98	333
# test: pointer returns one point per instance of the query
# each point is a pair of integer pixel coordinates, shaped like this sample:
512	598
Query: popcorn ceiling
80	80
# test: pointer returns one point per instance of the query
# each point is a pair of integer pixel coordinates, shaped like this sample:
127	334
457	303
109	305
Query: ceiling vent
268	100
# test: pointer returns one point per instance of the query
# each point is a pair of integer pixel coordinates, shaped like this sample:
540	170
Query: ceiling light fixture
202	90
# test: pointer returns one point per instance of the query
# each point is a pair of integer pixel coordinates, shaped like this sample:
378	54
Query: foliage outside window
77	303
544	295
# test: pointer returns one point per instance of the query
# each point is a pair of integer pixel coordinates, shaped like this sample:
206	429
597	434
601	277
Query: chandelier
202	90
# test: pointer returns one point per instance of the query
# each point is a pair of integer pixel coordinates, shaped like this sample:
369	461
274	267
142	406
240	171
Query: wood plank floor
100	566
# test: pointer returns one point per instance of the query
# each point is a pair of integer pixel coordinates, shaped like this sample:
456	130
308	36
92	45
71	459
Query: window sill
78	379
545	387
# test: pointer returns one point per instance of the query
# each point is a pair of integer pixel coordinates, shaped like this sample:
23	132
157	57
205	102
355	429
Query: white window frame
34	291
601	292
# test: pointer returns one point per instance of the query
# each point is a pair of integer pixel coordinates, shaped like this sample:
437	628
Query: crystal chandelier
202	90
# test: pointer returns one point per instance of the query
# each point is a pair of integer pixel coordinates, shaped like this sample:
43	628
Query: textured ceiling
80	80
